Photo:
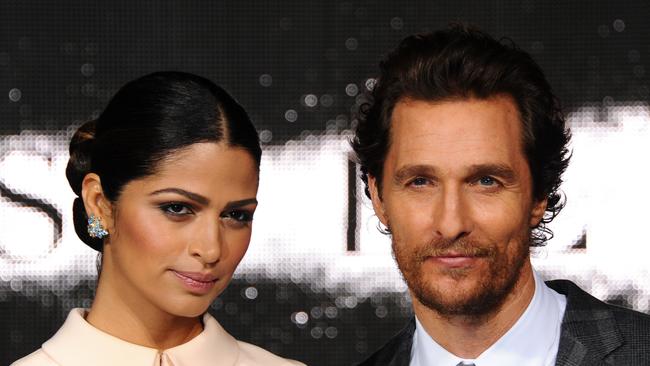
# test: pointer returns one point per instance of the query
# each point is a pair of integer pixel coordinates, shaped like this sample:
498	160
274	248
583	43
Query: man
462	150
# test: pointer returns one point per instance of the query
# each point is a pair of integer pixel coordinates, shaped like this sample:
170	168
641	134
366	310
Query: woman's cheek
240	240
148	232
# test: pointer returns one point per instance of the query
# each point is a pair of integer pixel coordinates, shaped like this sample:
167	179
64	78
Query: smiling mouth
196	282
453	259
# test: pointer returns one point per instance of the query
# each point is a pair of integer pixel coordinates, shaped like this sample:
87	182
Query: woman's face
178	235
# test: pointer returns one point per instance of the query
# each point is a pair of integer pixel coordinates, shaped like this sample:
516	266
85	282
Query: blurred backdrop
318	283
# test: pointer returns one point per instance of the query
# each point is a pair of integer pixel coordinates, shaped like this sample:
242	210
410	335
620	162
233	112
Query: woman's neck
129	317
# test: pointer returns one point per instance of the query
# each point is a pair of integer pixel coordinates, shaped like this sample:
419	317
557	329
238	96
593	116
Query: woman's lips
195	281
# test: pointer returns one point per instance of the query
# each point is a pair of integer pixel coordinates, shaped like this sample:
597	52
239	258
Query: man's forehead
460	131
484	117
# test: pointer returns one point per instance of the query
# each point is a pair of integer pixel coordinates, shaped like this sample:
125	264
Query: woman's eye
240	216
177	209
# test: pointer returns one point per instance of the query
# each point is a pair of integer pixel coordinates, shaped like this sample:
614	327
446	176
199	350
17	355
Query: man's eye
177	209
238	215
419	181
487	181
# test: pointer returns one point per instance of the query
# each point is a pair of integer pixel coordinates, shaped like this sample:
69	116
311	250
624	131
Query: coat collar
589	332
77	343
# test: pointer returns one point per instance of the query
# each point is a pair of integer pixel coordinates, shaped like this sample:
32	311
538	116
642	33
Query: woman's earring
95	228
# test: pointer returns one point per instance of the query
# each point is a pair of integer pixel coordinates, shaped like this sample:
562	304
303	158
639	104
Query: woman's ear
95	201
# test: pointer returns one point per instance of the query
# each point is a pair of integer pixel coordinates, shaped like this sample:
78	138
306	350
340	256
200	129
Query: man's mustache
454	247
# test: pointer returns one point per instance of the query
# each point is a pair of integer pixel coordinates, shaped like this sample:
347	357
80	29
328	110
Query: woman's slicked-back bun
81	148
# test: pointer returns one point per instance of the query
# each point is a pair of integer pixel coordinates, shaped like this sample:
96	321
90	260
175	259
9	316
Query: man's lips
453	259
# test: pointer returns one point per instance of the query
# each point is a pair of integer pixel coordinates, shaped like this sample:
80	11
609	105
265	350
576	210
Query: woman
166	180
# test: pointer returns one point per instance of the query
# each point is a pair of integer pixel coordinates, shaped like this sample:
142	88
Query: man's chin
458	294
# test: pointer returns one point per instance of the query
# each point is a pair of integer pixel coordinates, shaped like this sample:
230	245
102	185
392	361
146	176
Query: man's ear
377	203
537	213
95	201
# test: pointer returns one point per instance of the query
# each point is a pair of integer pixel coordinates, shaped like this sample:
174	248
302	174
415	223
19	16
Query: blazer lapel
589	331
397	352
403	350
573	353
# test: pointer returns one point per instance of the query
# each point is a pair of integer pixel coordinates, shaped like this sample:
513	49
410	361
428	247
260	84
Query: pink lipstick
196	282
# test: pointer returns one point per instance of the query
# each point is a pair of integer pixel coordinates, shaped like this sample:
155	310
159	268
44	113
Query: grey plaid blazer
593	333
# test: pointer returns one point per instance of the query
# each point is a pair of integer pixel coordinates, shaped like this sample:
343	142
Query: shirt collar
78	343
542	317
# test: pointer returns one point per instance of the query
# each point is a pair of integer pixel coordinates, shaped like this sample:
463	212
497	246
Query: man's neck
469	336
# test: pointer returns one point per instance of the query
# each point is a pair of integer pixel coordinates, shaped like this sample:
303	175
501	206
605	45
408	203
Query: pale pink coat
77	343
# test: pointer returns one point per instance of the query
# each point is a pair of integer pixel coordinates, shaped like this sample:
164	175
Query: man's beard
488	292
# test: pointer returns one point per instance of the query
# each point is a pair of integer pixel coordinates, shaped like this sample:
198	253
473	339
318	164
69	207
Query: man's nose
451	214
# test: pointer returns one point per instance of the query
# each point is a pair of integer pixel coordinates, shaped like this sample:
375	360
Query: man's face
457	196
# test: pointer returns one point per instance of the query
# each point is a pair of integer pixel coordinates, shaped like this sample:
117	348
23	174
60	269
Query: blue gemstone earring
95	228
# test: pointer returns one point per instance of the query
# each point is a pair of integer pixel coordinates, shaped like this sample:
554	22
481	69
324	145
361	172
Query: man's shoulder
581	306
397	351
602	331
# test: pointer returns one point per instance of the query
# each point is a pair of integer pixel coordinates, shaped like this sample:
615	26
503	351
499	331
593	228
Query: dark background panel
589	50
60	61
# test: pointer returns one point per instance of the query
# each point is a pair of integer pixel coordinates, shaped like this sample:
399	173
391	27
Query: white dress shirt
532	341
77	343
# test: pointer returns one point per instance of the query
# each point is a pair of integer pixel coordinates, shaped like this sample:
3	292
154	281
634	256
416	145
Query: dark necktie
463	363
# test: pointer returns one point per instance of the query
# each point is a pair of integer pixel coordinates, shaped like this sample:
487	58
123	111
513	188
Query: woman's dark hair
148	119
460	63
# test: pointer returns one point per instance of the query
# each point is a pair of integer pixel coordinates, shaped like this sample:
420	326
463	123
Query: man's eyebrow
409	171
474	171
498	170
236	204
191	195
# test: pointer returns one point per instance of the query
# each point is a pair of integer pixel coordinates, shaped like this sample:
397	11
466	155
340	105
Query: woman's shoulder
250	354
36	358
40	356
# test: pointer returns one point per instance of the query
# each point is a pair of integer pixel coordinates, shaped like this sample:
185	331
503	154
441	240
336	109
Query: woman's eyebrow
236	204
191	195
